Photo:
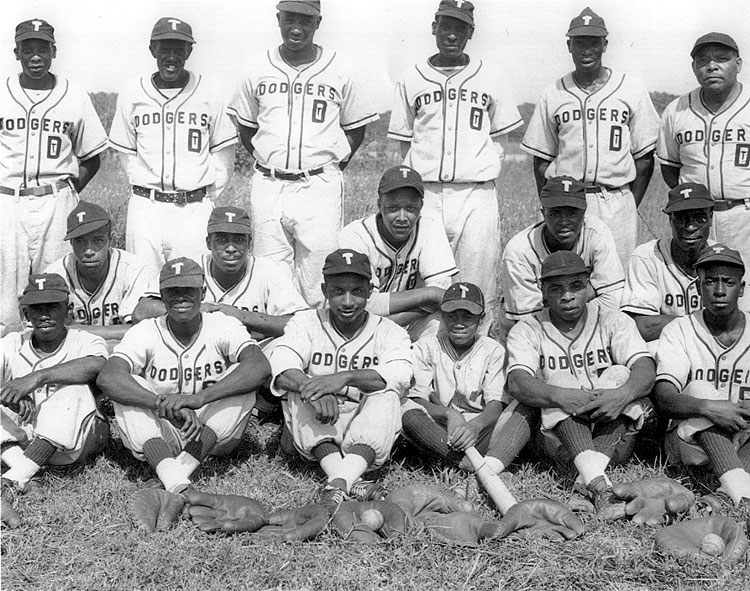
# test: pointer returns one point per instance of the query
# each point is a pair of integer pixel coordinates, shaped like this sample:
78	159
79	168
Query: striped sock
720	450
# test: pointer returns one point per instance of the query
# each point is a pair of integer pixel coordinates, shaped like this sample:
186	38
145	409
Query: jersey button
450	128
449	152
446	177
450	104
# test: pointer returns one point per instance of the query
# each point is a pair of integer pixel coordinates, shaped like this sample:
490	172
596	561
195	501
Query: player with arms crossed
50	141
410	255
182	385
600	127
703	376
301	114
177	147
449	113
343	371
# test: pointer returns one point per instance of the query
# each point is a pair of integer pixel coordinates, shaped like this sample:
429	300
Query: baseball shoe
608	506
579	500
367	490
8	513
331	496
34	489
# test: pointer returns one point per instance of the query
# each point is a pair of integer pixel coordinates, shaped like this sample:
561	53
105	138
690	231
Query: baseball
712	545
372	518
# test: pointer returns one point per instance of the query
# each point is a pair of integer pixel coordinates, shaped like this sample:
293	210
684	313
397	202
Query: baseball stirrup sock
720	450
736	483
201	447
608	435
35	456
575	435
156	450
425	433
510	436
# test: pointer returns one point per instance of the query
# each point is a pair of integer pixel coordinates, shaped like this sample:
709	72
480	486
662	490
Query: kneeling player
48	411
587	369
343	371
183	384
703	375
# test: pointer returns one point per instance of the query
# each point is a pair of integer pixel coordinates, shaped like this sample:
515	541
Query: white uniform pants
616	208
731	228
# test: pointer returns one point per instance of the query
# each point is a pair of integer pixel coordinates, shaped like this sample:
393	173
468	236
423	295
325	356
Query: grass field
79	535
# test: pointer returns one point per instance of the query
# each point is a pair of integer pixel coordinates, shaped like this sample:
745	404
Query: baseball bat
495	487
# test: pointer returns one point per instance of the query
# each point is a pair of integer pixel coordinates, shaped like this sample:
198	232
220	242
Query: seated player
661	283
343	371
412	261
182	385
587	368
565	228
110	290
703	376
48	414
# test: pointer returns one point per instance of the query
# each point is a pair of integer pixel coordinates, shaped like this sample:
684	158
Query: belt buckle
180	198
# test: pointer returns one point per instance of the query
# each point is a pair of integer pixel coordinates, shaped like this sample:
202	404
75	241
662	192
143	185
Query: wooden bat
495	487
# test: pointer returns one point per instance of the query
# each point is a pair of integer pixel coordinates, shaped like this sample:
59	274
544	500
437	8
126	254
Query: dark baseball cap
311	7
714	38
181	272
460	9
45	288
398	177
346	260
463	296
563	263
85	218
719	254
169	27
688	196
587	24
35	28
232	220
563	191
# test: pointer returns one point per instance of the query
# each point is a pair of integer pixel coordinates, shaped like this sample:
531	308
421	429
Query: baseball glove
416	499
347	519
541	518
156	509
303	523
652	500
685	538
227	514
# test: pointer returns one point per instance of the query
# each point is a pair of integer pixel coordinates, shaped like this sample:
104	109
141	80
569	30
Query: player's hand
223	308
607	405
541	518
727	416
318	386
14	390
189	424
652	500
347	519
227	514
171	405
26	410
684	538
454	420
326	409
464	436
572	400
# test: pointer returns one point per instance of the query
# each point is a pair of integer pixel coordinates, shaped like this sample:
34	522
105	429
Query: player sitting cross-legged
411	259
343	371
703	376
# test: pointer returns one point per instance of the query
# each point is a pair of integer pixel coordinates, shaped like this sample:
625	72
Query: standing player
449	114
343	371
183	384
301	115
177	147
703	376
411	259
600	127
50	141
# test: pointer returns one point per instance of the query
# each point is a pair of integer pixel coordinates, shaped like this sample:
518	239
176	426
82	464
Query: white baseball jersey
467	382
265	287
301	113
173	368
171	133
525	252
113	302
313	345
44	134
709	148
450	118
608	338
593	137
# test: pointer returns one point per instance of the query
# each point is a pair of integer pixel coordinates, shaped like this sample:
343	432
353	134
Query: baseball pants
731	228
616	208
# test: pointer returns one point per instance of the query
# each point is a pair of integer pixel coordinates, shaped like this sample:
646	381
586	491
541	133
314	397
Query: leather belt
287	176
36	191
176	197
601	188
727	204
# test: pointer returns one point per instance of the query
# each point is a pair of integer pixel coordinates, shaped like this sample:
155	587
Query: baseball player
662	283
50	141
411	259
564	228
598	126
703	376
301	114
177	147
343	371
48	410
586	368
182	385
704	137
449	114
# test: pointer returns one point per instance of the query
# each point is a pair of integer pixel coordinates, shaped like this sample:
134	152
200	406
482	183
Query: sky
103	43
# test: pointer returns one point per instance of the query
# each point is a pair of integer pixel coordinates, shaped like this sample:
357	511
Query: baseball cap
35	28
563	191
400	176
719	253
44	288
460	9
229	219
311	7
716	38
563	263
346	260
587	24
85	218
181	272
463	296
169	27
688	196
